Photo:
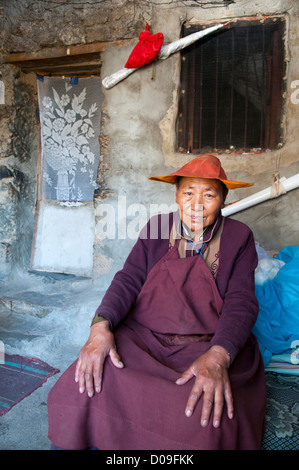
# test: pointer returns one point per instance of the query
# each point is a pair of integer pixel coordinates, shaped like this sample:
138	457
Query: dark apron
140	406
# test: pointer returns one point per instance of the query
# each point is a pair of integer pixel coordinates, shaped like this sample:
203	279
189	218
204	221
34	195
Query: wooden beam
62	65
74	60
235	19
63	52
69	72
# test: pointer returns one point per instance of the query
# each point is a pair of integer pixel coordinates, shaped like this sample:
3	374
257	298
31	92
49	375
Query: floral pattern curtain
70	112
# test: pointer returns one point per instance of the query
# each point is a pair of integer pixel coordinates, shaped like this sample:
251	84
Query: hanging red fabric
146	50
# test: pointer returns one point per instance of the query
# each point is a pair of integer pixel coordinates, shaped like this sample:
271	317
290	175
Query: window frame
188	121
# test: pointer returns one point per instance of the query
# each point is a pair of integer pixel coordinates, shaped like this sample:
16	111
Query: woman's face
200	201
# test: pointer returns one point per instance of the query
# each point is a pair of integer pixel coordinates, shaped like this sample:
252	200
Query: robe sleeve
127	283
240	307
125	286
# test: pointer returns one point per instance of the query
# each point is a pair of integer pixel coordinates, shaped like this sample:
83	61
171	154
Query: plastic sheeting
277	326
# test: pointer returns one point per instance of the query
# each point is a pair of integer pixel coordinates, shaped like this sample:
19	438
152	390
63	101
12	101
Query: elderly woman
170	363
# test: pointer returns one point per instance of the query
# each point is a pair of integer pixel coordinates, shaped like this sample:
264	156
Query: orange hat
203	166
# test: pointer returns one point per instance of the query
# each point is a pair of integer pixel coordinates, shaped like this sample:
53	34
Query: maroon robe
141	406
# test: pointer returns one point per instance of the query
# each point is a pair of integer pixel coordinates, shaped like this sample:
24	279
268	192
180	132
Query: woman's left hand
211	379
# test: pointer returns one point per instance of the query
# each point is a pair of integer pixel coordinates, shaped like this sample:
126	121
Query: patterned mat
282	415
19	377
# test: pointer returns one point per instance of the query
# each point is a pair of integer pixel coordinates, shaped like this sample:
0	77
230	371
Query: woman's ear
177	187
225	193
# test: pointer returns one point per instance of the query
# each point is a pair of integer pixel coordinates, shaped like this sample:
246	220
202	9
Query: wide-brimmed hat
203	166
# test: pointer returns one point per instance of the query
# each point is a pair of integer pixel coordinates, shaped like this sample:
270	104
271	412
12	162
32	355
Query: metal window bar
246	94
262	88
216	92
191	104
232	88
200	100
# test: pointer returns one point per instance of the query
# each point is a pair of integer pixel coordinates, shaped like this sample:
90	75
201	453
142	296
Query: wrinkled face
200	201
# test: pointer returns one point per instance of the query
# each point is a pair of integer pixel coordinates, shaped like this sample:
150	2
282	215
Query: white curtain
70	113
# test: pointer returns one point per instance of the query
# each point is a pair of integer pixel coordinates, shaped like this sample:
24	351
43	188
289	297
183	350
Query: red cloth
140	406
146	50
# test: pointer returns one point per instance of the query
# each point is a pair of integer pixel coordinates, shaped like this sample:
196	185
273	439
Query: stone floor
45	317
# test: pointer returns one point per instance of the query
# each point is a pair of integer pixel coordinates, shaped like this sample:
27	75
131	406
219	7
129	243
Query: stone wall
19	152
138	122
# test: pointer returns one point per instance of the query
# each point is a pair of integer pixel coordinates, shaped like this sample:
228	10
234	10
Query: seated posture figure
171	363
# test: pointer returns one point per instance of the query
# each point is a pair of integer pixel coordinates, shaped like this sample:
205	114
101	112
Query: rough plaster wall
139	116
18	162
134	108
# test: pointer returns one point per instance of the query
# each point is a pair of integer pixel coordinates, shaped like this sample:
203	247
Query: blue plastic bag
277	325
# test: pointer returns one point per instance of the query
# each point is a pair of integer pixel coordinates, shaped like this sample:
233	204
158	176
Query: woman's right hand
89	368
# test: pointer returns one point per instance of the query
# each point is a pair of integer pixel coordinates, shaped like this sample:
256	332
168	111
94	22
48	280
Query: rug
282	414
19	377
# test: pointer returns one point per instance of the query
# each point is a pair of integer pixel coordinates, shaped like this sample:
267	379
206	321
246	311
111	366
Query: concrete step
33	303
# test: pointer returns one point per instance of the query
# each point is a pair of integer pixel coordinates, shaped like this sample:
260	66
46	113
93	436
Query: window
232	87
